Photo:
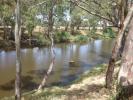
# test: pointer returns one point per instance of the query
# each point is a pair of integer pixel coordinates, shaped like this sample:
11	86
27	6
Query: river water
35	62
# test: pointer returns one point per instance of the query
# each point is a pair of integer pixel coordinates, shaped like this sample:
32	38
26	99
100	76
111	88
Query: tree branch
38	4
92	13
93	2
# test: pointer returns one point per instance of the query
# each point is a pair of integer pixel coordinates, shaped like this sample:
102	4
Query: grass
93	72
63	93
90	86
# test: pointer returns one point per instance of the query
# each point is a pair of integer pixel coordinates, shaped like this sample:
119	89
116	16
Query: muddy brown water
35	62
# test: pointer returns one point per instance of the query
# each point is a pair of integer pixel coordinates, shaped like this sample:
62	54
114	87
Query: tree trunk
5	29
66	27
125	77
123	14
126	71
50	67
77	27
110	70
50	17
30	39
104	24
18	58
72	29
50	34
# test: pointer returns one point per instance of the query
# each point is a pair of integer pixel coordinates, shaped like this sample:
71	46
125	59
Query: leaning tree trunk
18	58
116	49
50	34
125	77
50	67
126	71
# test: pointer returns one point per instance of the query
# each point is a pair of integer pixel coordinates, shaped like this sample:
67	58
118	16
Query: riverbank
89	86
42	41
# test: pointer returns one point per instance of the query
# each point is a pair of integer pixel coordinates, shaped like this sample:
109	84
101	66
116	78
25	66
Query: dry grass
89	87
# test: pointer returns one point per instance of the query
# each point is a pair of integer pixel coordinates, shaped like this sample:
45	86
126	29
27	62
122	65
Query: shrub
93	30
109	32
62	37
81	38
43	41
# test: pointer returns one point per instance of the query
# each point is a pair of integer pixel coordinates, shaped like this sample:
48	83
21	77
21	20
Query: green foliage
43	41
93	21
93	72
62	37
81	38
76	17
6	16
108	32
93	31
30	20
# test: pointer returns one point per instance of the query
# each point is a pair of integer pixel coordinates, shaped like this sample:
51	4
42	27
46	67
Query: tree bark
125	77
122	16
72	29
66	26
126	71
116	49
50	67
18	56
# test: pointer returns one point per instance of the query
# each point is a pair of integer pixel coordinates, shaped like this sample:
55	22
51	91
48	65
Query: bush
62	37
108	32
93	30
43	41
81	38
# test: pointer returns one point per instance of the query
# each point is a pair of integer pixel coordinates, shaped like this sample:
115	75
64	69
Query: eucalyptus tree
50	35
114	12
99	8
123	9
30	21
76	17
62	14
126	72
18	55
125	76
29	14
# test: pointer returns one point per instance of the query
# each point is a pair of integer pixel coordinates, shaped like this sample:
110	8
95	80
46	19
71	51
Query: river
35	62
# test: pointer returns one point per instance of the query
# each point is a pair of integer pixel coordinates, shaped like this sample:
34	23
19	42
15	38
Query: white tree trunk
116	49
18	56
126	71
50	34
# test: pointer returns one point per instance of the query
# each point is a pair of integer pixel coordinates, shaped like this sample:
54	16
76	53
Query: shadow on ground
27	83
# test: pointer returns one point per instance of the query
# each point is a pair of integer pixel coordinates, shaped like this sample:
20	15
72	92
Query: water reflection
35	62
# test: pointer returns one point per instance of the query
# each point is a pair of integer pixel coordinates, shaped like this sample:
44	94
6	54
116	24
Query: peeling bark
116	49
125	77
126	71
